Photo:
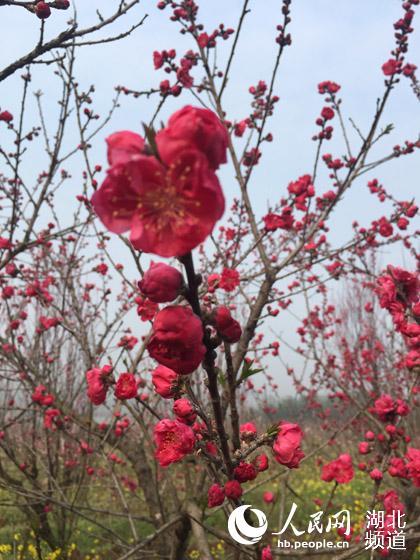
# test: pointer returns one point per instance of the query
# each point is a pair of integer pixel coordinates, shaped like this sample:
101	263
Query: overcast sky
346	41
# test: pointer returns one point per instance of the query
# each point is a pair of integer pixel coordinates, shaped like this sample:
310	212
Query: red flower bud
42	10
161	283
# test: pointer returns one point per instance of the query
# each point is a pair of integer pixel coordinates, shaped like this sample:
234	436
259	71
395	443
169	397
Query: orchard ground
302	486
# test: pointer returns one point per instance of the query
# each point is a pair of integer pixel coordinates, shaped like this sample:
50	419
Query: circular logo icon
241	531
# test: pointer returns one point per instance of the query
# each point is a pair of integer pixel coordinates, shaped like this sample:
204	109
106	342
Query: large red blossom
169	210
193	127
340	470
286	447
174	440
177	339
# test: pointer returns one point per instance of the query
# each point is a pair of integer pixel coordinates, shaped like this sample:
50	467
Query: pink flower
268	497
408	283
340	470
177	340
266	553
49	418
385	229
184	411
127	342
161	283
364	447
391	67
412	359
233	490
240	127
165	381
146	309
328	87
6	116
174	440
97	384
386	291
4	243
229	280
261	462
215	496
392	502
227	327
158	59
48	322
376	475
101	268
385	408
213	282
397	467
193	128
286	447
248	430
327	113
272	222
41	396
126	387
244	472
203	40
409	70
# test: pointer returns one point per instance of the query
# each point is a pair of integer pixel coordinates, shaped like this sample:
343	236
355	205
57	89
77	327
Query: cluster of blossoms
402	464
181	70
387	409
329	89
170	200
340	470
399	293
403	211
403	27
286	449
41	397
300	193
168	195
407	467
99	380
